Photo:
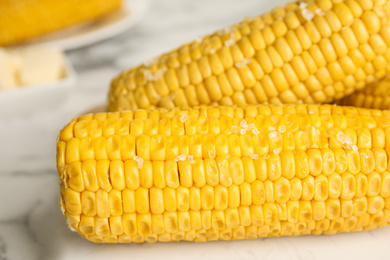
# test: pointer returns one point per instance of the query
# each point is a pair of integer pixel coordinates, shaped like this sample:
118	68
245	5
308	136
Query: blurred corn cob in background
311	52
375	95
225	173
25	19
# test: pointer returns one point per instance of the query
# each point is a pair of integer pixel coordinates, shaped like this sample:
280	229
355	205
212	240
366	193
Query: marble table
31	224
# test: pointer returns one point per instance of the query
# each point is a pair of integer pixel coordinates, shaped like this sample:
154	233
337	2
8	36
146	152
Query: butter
7	74
40	66
30	66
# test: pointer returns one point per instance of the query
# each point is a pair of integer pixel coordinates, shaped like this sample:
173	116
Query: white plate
34	98
83	35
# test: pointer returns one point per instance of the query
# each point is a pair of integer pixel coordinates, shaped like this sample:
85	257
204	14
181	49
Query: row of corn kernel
230	111
192	125
91	175
283	228
169	200
158	201
146	224
271	116
163	148
375	95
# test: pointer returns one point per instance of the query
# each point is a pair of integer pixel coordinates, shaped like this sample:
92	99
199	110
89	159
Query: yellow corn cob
375	95
310	52
25	19
212	173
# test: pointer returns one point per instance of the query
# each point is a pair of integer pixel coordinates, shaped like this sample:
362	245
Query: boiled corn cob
312	52
375	95
225	172
25	19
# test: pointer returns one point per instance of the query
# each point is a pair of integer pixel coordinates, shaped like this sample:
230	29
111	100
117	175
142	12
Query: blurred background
57	59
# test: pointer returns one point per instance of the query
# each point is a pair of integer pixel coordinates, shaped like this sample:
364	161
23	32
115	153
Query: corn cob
375	95
25	19
212	173
310	52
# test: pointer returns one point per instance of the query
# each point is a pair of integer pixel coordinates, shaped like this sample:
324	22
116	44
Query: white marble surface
31	224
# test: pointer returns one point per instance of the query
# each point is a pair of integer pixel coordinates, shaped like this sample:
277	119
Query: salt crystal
231	41
228	156
243	123
302	5
227	29
243	63
150	62
255	131
320	12
184	117
141	163
191	158
274	136
307	15
355	148
250	126
159	73
312	111
341	137
139	160
254	156
328	133
235	129
199	39
182	157
150	77
267	156
271	128
282	128
276	151
242	131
